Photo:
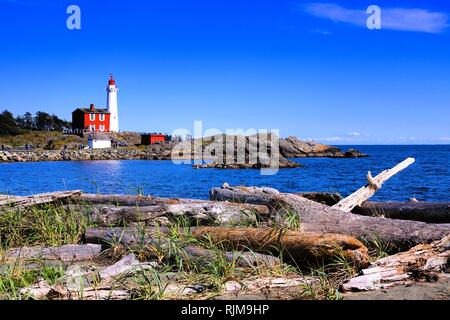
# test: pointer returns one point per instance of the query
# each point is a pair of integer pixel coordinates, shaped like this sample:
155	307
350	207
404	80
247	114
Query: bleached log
37	291
119	200
68	253
431	212
201	211
126	265
260	284
43	198
358	197
403	268
107	215
89	293
303	248
40	292
315	217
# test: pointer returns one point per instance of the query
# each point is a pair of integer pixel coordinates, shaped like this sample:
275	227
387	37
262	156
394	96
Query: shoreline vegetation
55	146
242	243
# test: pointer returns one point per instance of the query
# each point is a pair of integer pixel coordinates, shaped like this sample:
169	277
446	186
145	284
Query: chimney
92	107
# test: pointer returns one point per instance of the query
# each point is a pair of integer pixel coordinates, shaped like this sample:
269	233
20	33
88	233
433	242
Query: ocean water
428	179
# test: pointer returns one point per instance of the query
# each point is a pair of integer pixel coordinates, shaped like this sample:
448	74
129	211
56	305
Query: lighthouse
111	104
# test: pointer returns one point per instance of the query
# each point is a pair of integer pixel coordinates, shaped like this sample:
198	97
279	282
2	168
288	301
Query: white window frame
101	128
92	116
102	117
92	127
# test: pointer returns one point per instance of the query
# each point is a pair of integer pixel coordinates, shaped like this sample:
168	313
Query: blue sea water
428	179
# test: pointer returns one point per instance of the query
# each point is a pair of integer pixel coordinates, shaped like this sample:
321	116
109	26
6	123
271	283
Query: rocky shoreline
80	155
290	147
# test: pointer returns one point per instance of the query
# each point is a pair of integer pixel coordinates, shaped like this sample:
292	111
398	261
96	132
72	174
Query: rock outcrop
282	164
293	147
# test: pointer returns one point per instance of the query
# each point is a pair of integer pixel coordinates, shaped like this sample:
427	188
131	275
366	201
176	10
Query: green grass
324	287
46	225
15	277
378	248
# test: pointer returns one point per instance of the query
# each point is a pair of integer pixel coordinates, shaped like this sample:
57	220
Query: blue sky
309	68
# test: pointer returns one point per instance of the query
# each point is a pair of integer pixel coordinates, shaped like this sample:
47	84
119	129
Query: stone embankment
74	155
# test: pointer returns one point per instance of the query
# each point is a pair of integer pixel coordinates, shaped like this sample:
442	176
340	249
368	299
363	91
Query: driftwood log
316	217
70	253
154	240
303	248
58	292
364	193
432	212
423	262
110	209
43	198
125	266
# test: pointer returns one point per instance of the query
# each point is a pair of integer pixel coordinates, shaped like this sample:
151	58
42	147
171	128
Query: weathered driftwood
154	240
125	266
364	193
138	209
424	261
121	200
200	255
44	198
431	212
68	253
303	248
315	217
58	292
261	284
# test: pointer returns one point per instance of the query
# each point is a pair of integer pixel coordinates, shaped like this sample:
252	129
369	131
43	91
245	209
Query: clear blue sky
311	69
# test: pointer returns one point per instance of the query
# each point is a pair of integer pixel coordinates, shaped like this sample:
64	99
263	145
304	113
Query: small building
152	138
99	141
90	120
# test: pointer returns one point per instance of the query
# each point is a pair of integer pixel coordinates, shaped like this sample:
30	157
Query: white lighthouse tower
111	104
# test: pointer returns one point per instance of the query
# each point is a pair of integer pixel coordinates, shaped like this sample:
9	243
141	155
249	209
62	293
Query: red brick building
90	120
151	138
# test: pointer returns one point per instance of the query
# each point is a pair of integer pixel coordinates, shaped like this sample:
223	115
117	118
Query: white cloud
401	19
354	134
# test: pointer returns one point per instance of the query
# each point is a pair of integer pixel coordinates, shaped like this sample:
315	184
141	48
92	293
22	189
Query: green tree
60	124
28	121
46	122
43	121
8	124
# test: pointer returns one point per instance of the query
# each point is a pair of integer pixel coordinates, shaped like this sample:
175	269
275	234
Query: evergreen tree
8	124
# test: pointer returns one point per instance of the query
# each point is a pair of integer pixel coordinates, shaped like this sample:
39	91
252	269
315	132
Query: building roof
111	81
99	136
153	134
88	110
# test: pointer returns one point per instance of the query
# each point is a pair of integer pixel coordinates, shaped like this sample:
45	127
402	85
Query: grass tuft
41	226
